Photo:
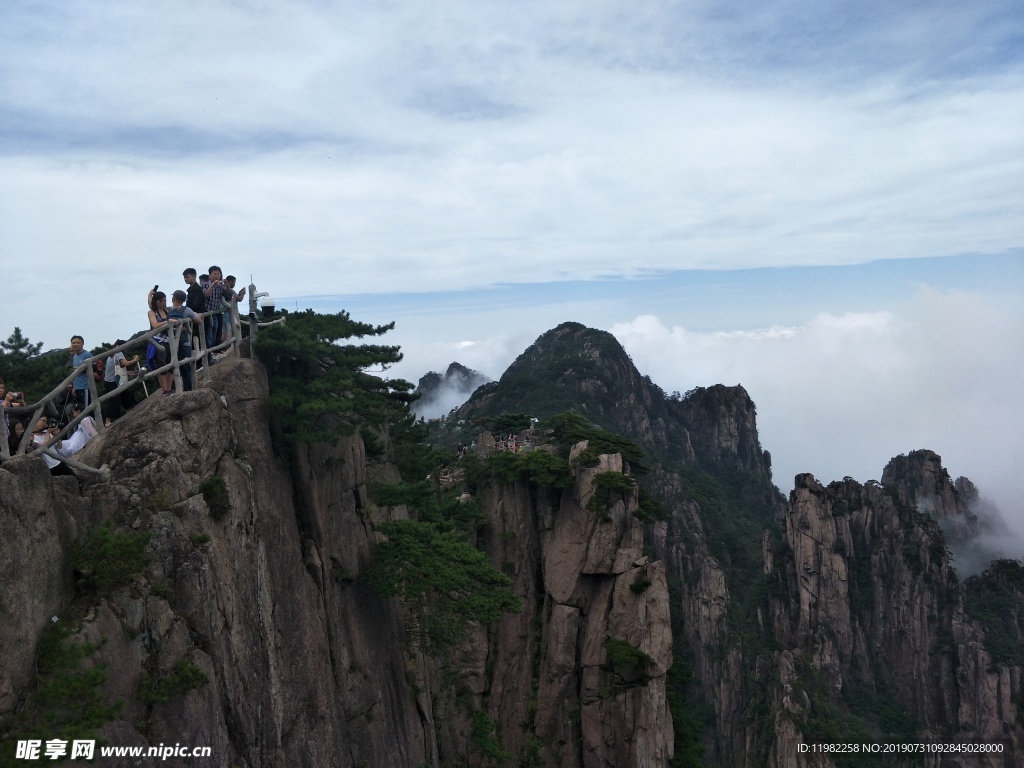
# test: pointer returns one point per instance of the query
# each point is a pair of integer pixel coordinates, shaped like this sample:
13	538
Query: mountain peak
573	367
440	393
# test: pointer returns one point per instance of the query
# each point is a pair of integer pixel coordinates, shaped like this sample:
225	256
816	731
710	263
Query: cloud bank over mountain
838	394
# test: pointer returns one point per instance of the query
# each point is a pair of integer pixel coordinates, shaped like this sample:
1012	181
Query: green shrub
373	445
506	423
66	701
628	662
484	736
443	582
183	677
640	583
609	487
320	389
106	560
649	508
571	428
215	492
539	468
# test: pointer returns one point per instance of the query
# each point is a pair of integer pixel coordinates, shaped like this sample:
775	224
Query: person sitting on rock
40	436
85	432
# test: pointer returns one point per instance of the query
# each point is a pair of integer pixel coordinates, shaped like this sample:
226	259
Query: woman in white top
40	436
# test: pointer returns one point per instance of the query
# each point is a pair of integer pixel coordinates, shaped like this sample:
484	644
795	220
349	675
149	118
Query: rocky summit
437	393
222	587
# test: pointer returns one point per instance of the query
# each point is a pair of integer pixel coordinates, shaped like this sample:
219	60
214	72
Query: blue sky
736	191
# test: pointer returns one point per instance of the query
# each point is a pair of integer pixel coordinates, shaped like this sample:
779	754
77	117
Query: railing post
253	322
94	399
175	329
236	330
5	451
26	439
202	350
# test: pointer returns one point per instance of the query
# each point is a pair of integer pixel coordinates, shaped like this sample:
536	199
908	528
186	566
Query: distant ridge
439	394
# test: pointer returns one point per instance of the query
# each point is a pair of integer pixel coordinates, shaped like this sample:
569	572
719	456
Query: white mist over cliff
841	394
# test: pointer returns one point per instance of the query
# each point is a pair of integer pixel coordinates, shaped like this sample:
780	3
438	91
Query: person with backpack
180	312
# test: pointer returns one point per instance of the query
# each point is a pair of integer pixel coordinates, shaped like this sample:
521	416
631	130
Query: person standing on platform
182	313
81	382
110	380
213	290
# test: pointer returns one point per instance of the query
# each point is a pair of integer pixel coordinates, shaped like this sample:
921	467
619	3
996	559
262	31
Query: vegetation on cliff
444	583
995	598
65	698
320	388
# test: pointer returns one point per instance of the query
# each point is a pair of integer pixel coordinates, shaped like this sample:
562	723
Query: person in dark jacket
194	300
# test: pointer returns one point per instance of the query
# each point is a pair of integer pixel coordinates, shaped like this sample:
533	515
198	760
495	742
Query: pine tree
319	388
24	369
18	349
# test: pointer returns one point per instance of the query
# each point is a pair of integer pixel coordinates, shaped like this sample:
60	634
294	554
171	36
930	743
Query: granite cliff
830	617
692	616
248	629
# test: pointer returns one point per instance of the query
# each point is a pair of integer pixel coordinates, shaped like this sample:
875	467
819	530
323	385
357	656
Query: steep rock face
722	425
303	666
37	516
553	687
728	680
874	614
864	612
837	610
921	482
293	661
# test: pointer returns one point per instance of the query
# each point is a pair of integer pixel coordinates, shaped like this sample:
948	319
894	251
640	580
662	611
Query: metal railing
172	330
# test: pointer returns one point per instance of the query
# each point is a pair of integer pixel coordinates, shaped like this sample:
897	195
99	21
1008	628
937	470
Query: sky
822	201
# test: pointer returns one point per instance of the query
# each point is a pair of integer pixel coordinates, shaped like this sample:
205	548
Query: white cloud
402	147
840	395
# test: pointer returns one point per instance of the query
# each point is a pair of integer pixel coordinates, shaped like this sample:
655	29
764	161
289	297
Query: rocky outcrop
879	617
37	516
302	665
248	631
921	482
722	426
835	615
580	368
866	616
439	393
558	695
